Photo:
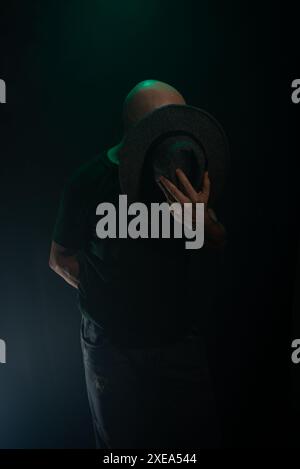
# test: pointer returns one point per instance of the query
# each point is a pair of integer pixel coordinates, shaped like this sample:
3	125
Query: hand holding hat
215	232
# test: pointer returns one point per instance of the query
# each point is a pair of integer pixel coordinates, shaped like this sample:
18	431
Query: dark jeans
158	397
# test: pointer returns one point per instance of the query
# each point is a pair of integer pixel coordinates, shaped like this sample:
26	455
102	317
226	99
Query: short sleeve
71	221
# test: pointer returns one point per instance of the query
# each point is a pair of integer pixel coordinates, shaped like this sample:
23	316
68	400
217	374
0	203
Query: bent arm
215	232
64	263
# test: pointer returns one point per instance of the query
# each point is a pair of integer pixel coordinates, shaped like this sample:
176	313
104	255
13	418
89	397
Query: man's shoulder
89	174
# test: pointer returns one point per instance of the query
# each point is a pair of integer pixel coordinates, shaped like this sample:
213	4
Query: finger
173	190
206	184
187	185
167	195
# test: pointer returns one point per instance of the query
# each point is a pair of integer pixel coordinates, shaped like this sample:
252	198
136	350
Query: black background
68	66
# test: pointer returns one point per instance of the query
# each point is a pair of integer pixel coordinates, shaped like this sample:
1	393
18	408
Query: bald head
147	96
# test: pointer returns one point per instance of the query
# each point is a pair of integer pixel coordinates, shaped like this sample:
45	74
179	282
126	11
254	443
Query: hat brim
190	120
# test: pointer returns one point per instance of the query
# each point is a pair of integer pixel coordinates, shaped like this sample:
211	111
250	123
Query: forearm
64	264
215	233
69	273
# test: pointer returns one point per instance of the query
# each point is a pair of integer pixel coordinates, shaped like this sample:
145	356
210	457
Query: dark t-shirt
135	289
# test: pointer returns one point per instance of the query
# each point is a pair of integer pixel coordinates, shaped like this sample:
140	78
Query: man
146	372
